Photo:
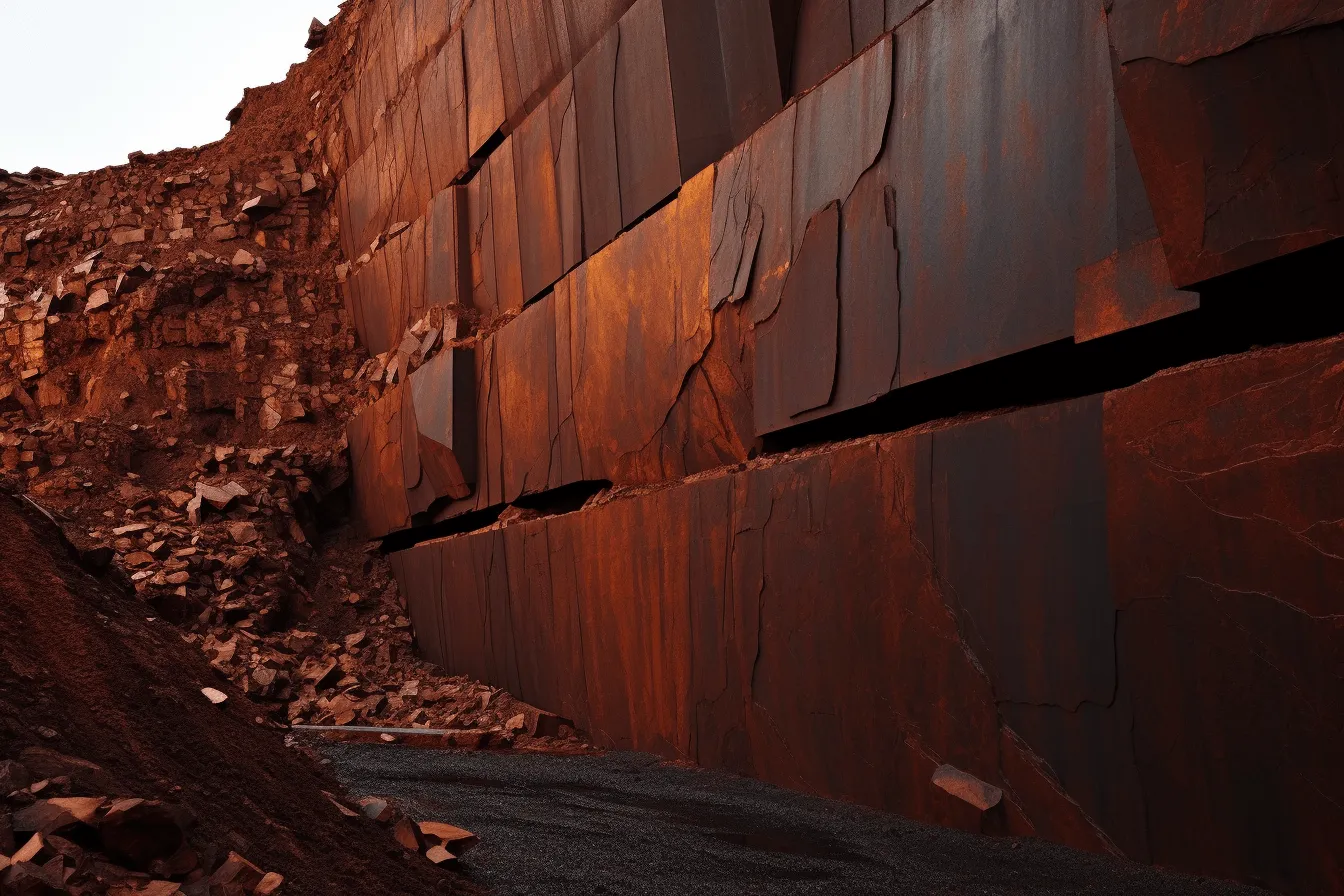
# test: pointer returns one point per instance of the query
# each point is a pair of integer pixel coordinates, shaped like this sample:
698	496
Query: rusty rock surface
595	134
1073	603
938	167
1234	113
669	234
553	386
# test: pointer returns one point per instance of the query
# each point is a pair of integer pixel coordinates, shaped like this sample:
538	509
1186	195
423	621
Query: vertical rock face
1233	109
1078	603
667	241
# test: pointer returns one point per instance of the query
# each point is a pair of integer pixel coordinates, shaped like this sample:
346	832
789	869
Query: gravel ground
628	824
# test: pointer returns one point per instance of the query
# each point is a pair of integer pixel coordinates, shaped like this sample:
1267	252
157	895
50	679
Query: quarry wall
832	390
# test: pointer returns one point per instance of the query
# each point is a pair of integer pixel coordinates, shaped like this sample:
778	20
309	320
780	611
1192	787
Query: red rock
380	810
128	237
340	806
967	788
440	856
238	872
137	832
43	817
407	834
457	840
1213	101
45	763
83	808
28	851
13	776
28	879
270	884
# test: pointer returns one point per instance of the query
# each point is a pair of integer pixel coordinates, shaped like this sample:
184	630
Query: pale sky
85	82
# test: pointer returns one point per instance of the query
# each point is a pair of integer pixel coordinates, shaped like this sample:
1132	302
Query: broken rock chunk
270	883
28	879
13	776
128	237
380	810
84	776
83	808
236	872
967	787
317	35
244	533
136	832
407	833
263	204
29	850
220	498
340	806
42	817
152	888
440	856
456	840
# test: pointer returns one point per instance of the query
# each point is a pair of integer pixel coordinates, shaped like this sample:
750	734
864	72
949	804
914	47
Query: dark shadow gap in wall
554	502
1296	298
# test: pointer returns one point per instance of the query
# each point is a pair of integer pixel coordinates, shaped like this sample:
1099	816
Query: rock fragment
317	35
24	878
967	787
42	817
457	840
13	776
137	832
380	810
440	856
407	834
237	874
128	237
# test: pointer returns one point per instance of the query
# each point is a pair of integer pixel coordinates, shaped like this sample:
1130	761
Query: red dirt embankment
86	671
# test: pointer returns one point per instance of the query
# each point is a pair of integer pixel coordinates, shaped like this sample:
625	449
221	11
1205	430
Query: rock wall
636	273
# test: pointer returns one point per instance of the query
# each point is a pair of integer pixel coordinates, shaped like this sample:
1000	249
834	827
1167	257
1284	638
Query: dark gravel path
626	824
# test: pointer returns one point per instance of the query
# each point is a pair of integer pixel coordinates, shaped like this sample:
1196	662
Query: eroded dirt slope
86	672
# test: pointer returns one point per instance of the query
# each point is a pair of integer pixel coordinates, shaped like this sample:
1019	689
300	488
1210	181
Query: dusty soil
86	671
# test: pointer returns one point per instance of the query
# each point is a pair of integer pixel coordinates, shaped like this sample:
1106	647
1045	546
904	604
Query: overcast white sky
85	82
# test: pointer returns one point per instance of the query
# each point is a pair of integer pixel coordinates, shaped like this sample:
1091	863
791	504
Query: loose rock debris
55	838
176	368
442	844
